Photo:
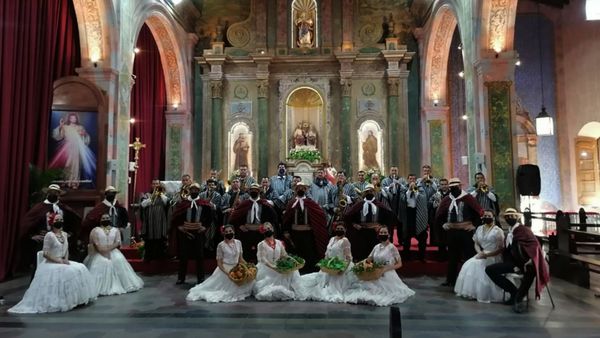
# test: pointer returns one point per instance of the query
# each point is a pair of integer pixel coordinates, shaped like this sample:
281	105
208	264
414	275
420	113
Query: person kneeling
112	272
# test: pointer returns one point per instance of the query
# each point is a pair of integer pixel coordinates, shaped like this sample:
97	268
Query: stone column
262	83
435	139
216	120
346	70
179	145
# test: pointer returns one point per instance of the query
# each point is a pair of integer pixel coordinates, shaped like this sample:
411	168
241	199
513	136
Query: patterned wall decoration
500	129
439	57
174	153
368	106
168	59
498	24
93	30
436	140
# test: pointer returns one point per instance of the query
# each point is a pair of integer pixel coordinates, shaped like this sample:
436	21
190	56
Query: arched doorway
587	145
305	120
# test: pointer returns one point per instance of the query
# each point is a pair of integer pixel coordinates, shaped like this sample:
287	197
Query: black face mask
455	191
268	233
340	233
487	220
320	182
369	196
281	172
52	198
110	197
229	236
511	221
105	223
58	225
194	195
383	238
300	193
254	194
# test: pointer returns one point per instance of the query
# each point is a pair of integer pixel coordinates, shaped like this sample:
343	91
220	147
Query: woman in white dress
111	271
270	284
325	287
389	288
219	287
473	282
59	284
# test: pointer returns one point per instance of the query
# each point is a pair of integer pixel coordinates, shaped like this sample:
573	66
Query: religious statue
304	25
305	135
391	27
241	148
369	147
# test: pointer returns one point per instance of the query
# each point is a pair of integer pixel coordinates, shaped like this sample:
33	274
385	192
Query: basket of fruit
367	271
333	265
289	264
242	273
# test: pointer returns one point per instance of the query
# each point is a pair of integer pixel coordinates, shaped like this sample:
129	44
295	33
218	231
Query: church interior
147	98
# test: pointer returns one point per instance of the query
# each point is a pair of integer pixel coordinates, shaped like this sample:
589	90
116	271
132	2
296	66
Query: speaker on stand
528	184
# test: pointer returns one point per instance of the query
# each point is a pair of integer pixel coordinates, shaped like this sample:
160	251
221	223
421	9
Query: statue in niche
305	135
391	27
370	151
305	30
241	148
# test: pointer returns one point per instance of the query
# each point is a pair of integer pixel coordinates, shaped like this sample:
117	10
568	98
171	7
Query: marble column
345	128
179	145
436	140
216	149
392	102
263	127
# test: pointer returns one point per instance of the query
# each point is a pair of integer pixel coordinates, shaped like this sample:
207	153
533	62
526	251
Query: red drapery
39	43
148	105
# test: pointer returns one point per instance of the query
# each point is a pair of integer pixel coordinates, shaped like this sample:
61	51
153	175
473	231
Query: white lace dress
57	287
114	275
388	289
473	282
324	287
218	287
271	285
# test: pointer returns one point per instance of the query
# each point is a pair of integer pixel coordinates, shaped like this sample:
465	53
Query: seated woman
326	287
473	282
389	288
112	272
58	284
271	285
219	287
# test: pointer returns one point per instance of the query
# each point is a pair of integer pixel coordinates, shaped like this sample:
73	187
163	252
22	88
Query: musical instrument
236	200
243	184
342	200
156	193
484	188
184	192
378	188
427	180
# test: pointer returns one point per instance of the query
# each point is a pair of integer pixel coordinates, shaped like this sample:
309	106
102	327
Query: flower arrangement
307	154
369	173
234	174
333	265
139	246
289	264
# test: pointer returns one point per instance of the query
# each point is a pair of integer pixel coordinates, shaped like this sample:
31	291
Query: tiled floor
160	310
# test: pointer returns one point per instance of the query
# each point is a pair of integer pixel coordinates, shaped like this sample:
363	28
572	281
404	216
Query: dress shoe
520	306
179	282
509	301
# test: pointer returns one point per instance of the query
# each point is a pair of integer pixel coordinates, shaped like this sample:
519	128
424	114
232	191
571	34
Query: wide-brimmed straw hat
54	187
511	212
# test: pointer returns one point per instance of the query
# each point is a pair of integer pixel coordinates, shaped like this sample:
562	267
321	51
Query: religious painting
73	147
370	146
304	109
241	108
304	24
218	15
381	19
240	146
366	106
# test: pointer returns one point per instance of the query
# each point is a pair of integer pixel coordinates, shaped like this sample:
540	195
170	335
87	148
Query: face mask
455	191
110	197
268	233
254	194
487	220
194	195
300	193
383	238
511	221
58	225
105	223
340	233
52	198
229	236
369	196
281	172
320	182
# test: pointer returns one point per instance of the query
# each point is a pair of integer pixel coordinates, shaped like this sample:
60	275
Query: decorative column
216	119
435	139
179	144
262	61
397	75
346	70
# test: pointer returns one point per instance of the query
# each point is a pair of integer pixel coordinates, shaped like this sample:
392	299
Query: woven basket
370	275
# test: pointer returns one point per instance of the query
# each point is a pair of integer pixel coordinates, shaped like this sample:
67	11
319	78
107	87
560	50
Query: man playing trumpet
484	194
190	219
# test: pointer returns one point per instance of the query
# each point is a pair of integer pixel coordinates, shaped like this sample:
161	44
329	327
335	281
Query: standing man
459	214
393	186
155	207
214	174
245	179
283	200
232	199
190	219
119	217
381	194
522	251
484	194
305	228
281	182
247	219
341	196
414	201
213	198
267	192
320	192
186	181
437	233
360	184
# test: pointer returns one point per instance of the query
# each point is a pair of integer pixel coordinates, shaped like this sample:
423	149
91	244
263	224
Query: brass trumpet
484	188
184	192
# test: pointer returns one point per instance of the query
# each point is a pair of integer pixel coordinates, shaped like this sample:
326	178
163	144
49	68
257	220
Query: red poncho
317	219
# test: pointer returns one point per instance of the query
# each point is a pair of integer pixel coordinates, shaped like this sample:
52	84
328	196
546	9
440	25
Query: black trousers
190	248
304	246
250	240
460	246
496	273
411	228
362	242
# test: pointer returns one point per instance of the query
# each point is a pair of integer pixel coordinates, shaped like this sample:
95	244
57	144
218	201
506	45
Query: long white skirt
113	276
273	286
474	283
57	288
323	287
387	290
219	288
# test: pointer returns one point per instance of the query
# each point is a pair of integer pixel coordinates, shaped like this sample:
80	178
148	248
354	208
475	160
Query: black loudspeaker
528	180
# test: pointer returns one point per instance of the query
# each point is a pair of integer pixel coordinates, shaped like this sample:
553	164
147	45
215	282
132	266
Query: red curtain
39	43
148	105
